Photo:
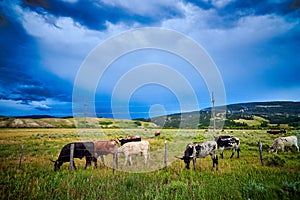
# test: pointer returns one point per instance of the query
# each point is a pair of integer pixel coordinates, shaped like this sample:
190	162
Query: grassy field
242	178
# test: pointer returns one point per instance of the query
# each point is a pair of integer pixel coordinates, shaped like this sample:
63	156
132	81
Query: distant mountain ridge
274	112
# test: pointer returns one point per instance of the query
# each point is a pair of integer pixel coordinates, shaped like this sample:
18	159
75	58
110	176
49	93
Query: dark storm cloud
21	86
94	15
21	77
43	42
261	7
232	11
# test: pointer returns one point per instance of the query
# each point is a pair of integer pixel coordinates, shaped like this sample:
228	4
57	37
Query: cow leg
215	161
115	160
238	153
221	152
74	165
187	165
145	157
95	162
125	162
86	163
297	148
130	160
194	163
102	159
232	153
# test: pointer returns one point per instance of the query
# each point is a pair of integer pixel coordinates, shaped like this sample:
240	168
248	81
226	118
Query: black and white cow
228	142
200	150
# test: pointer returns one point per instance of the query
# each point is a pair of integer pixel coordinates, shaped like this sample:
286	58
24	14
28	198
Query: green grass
242	178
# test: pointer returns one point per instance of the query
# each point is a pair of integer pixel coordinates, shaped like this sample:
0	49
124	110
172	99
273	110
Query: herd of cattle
133	145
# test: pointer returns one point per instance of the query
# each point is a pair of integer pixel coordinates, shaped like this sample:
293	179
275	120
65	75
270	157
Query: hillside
51	122
242	115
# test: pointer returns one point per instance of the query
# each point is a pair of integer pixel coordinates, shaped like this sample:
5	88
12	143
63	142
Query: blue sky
254	44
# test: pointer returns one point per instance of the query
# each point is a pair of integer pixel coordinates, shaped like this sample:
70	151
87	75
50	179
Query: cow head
114	142
271	149
57	164
189	153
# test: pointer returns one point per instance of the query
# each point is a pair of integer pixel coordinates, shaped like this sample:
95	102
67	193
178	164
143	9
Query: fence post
21	157
71	156
166	154
260	153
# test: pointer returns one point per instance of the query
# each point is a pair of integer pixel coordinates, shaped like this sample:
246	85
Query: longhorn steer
104	147
135	148
228	142
200	150
81	149
281	142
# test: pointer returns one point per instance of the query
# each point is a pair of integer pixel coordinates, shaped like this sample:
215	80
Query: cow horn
52	160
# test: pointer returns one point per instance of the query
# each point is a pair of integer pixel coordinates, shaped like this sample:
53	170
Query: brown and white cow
135	148
200	150
281	142
105	147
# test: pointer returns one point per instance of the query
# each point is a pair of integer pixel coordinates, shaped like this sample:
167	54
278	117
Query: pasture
242	178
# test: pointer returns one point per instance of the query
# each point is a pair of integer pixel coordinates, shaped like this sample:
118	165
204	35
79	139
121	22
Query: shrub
199	138
291	186
253	190
106	123
138	123
274	160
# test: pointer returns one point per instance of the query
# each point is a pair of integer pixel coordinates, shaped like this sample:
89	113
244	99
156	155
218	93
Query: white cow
281	142
135	148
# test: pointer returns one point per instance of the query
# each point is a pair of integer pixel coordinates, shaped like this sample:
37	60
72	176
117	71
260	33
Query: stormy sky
44	43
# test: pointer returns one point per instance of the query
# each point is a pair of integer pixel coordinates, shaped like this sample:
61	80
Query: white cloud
202	25
144	7
64	43
235	49
40	105
221	3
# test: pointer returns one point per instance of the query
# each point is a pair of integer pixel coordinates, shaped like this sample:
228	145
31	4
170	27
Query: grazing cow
200	150
135	148
228	142
104	147
130	139
281	142
81	149
157	133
